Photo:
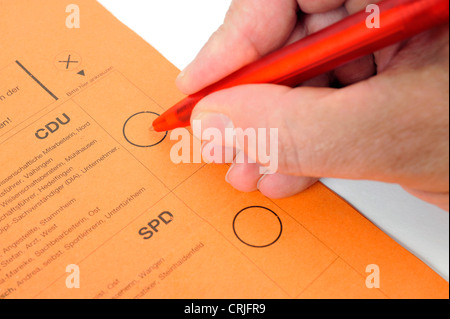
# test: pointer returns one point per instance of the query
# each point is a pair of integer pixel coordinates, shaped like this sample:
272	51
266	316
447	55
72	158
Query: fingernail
181	75
260	180
184	71
228	173
265	173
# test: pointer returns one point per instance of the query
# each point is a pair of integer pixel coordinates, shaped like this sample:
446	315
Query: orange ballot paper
91	205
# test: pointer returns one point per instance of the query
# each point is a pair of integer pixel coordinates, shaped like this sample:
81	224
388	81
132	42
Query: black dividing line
37	81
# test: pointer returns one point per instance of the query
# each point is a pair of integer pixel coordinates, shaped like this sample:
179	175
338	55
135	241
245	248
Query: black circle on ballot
252	245
135	144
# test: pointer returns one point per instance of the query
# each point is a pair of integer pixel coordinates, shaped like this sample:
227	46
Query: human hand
391	127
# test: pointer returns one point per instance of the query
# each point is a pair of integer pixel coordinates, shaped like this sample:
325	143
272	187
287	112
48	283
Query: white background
179	28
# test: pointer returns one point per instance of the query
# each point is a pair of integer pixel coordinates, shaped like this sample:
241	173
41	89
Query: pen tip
151	129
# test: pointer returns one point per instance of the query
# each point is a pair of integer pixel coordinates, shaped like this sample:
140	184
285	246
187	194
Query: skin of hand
384	117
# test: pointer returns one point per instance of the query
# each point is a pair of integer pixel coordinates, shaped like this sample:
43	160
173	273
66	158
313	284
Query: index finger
252	28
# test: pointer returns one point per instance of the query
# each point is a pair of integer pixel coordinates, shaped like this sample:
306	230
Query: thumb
322	132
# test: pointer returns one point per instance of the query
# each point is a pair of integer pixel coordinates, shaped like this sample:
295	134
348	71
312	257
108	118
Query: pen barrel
340	43
177	116
424	14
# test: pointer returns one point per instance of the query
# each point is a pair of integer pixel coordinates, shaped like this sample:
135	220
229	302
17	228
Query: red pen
323	51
